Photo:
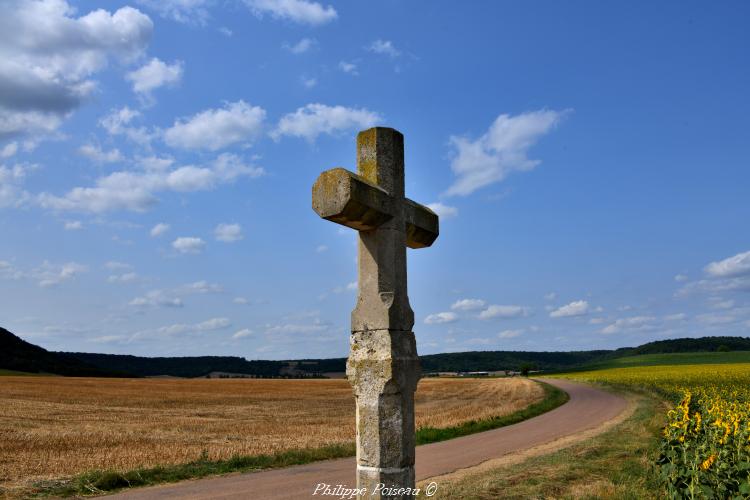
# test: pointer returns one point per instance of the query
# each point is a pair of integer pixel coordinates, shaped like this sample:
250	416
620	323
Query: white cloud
298	11
635	323
304	45
321	248
443	211
228	233
200	287
50	275
96	154
500	151
348	67
597	321
349	287
738	265
722	304
213	129
73	225
123	278
117	122
225	31
294	328
468	305
241	301
188	244
157	298
315	119
136	190
109	339
509	334
441	318
182	11
383	47
9	150
681	277
11	182
48	56
154	74
245	332
210	325
159	229
550	296
503	311
576	308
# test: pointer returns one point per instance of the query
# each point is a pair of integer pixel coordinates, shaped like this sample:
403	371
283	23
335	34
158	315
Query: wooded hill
17	354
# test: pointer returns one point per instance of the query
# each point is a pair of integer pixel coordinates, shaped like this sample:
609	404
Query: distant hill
18	355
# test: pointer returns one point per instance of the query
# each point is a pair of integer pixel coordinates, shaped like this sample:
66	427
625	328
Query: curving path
588	408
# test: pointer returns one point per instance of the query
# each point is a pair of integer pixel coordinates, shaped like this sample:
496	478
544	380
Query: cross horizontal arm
422	226
348	199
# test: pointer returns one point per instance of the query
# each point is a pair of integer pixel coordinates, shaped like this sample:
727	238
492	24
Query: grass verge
617	464
106	481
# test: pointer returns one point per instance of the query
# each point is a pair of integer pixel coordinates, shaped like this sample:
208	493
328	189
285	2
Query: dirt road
588	408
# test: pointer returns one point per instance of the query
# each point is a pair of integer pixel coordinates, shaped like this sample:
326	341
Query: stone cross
383	367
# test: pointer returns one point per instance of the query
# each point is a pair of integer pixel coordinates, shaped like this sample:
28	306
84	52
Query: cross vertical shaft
383	367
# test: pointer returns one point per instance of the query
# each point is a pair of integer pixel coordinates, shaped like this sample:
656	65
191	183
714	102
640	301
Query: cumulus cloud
314	119
200	287
503	312
118	122
348	67
681	277
737	265
468	305
157	298
136	190
73	225
500	151
228	233
509	334
441	318
51	275
298	11
155	74
159	229
9	150
302	46
385	47
213	129
576	308
48	56
209	325
95	154
444	211
245	332
12	178
122	278
635	323
188	244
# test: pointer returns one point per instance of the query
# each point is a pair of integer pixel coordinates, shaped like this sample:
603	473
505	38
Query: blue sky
589	162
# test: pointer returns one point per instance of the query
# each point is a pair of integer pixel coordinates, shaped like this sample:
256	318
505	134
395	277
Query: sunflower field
705	449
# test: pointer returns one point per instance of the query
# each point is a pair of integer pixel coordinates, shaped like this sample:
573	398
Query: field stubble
55	427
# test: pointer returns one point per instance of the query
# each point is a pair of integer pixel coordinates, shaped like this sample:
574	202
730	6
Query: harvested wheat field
52	427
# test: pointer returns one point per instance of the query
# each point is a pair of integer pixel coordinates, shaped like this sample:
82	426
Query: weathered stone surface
422	225
383	367
348	199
